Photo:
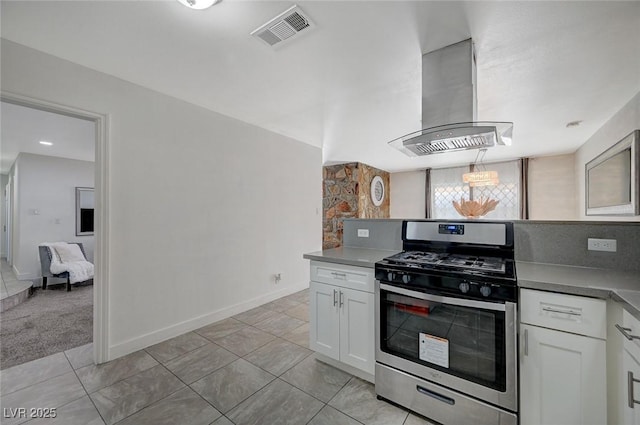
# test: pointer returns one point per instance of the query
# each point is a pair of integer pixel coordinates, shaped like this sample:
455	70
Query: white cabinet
562	359
562	378
342	318
358	278
357	338
324	331
629	381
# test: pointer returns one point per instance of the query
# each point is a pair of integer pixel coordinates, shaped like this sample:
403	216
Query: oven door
466	345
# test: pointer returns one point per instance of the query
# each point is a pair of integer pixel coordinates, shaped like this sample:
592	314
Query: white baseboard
24	276
155	337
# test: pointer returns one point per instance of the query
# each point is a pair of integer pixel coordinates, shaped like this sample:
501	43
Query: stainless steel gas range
446	323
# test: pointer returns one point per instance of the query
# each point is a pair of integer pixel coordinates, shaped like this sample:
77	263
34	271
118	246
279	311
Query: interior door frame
101	220
8	217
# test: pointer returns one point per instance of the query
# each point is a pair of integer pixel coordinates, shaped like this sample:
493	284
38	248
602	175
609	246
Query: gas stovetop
464	259
449	261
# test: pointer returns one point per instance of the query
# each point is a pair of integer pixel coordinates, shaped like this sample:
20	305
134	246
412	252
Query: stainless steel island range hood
449	107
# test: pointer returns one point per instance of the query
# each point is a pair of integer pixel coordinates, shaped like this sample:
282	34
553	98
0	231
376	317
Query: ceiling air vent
283	27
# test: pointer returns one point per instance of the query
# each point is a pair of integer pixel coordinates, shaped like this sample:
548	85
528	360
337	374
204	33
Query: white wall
4	179
407	194
47	207
552	188
204	209
621	124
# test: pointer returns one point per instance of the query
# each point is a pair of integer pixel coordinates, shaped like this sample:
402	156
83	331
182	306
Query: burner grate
449	261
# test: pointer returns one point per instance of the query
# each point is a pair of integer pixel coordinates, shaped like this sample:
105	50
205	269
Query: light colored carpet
49	322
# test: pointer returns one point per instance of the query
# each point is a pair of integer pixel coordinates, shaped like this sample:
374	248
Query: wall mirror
85	205
612	186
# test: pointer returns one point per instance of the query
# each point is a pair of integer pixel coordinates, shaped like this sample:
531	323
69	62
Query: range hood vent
455	137
283	27
449	107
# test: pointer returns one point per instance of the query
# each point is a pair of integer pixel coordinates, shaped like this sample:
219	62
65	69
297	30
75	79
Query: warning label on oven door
434	350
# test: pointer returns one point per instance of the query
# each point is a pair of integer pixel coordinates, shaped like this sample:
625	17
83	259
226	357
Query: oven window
462	341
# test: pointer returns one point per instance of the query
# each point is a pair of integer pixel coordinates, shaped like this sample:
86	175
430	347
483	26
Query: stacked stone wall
346	194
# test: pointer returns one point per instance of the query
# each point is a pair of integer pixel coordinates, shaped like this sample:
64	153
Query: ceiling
23	128
353	83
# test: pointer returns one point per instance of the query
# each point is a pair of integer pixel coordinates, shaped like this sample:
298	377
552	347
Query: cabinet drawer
630	329
569	313
359	278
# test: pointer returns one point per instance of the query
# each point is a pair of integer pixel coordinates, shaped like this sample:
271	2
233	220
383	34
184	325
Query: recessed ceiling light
42	142
198	4
574	123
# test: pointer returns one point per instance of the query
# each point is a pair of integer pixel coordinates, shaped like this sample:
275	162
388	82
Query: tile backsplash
551	242
566	243
383	233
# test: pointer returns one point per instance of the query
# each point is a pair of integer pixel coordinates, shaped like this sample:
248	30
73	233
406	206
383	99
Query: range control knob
464	287
390	276
485	290
406	278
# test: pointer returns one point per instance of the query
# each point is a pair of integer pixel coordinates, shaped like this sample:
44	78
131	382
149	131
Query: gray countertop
363	257
624	287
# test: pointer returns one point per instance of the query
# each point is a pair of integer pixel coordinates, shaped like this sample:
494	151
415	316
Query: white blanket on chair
78	267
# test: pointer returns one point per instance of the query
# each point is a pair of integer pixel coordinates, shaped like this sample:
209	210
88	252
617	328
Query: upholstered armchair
45	264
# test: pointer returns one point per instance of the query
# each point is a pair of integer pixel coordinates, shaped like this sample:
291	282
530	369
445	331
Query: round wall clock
377	191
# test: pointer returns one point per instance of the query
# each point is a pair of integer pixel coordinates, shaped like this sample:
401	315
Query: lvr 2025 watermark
31	413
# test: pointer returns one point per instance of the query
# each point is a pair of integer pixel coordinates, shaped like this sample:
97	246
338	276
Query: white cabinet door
562	378
357	329
631	389
324	331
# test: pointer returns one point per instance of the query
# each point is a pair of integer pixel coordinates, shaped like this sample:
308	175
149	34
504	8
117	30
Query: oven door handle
444	300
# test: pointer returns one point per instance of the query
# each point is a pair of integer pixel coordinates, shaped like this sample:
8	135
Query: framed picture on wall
85	207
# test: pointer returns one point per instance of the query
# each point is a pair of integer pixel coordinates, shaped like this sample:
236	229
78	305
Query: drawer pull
630	381
553	310
336	275
626	333
435	395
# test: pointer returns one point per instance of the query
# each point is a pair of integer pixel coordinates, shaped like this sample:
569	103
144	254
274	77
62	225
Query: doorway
99	123
6	222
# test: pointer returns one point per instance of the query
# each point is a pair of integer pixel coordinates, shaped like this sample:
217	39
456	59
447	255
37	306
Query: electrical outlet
608	245
363	233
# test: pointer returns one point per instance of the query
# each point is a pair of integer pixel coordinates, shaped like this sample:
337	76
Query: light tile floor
12	290
253	368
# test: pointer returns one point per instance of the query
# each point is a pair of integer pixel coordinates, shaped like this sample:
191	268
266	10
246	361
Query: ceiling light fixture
42	142
483	177
198	4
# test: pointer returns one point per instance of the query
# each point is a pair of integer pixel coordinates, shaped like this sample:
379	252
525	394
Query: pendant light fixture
478	208
198	4
481	177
